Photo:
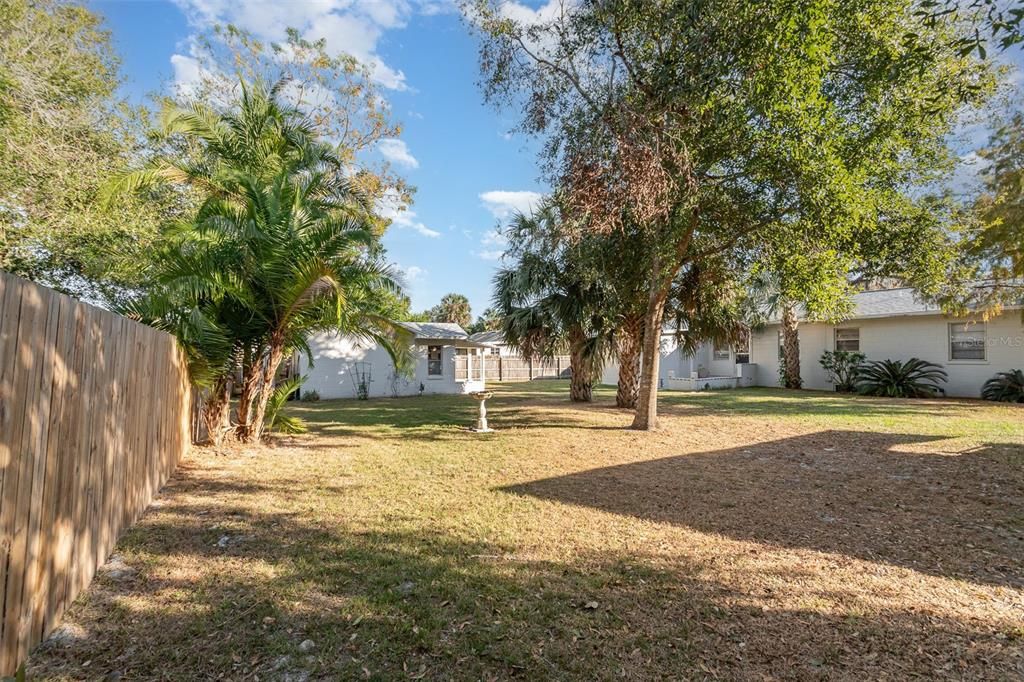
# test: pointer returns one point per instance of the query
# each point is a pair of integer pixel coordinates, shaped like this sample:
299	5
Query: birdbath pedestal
481	420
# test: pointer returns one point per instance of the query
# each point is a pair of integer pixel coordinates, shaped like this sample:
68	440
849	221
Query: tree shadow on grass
398	605
770	402
860	494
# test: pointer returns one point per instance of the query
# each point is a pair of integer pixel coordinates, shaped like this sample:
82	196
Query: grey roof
495	336
436	330
889	303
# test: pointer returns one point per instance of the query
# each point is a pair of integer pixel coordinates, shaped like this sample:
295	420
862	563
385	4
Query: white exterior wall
675	364
332	375
899	338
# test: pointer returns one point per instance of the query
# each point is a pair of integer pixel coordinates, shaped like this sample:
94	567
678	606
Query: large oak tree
712	124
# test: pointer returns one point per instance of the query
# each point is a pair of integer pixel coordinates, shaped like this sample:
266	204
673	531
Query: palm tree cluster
549	301
281	245
568	290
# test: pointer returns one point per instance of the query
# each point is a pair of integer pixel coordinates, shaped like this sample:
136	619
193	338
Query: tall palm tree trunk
581	384
252	376
646	418
628	344
790	349
254	430
217	410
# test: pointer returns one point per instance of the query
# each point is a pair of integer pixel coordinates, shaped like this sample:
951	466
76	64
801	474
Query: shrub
1005	387
310	396
914	378
843	368
278	421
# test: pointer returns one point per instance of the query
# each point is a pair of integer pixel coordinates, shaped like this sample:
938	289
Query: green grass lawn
759	534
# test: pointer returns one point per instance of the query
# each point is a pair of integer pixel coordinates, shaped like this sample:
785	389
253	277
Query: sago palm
1005	387
914	378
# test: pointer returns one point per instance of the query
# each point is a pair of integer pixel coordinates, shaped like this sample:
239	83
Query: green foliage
489	320
452	308
809	126
842	368
914	378
339	95
277	421
548	299
311	396
994	246
283	244
63	131
1005	387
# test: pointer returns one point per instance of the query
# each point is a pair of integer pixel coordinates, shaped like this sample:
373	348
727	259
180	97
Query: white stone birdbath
481	420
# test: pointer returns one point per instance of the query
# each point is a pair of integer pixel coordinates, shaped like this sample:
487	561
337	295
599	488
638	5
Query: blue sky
468	171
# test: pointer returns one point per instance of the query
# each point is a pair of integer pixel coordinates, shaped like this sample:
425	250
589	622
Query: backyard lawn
760	534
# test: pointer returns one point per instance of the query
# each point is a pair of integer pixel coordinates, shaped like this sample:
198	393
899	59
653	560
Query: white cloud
352	26
496	241
391	208
397	151
503	203
413	273
187	73
494	238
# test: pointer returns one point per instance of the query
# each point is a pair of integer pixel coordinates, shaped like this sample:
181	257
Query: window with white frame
720	352
782	347
967	341
848	339
435	368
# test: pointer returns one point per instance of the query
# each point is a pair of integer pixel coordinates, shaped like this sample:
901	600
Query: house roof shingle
890	302
436	330
495	336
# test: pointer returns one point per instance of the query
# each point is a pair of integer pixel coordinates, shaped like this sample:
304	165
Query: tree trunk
581	384
790	349
646	418
217	411
252	376
266	387
629	340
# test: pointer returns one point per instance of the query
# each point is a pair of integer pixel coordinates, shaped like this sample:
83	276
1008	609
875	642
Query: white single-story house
709	368
890	324
341	364
894	324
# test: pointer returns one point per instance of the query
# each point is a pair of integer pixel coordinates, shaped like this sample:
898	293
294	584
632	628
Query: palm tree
281	245
548	305
452	308
768	301
304	255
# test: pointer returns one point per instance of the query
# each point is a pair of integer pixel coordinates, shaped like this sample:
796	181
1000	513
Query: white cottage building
891	324
340	365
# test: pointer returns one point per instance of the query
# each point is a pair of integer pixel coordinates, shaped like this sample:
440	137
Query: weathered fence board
94	415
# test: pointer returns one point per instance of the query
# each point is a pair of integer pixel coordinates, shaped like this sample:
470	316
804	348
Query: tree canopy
810	119
63	131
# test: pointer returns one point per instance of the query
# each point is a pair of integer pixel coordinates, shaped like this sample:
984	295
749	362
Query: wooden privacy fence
512	368
94	415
